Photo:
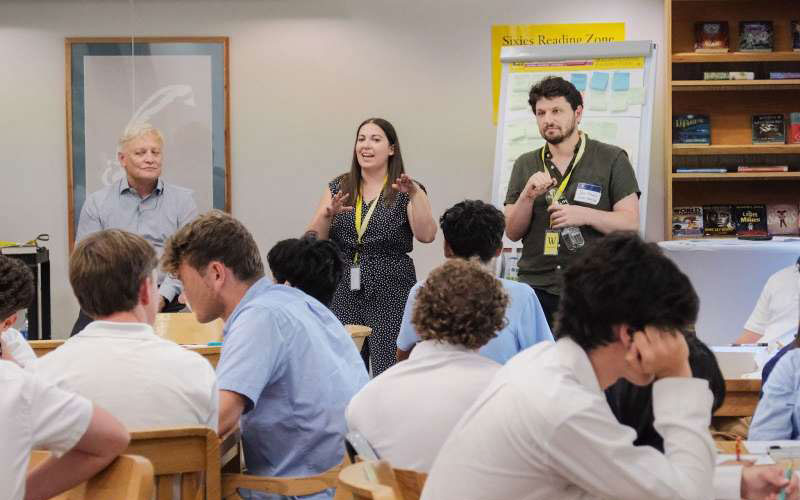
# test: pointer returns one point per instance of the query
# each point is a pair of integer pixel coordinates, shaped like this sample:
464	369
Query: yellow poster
505	35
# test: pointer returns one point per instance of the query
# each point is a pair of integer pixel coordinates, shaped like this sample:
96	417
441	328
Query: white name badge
355	278
588	193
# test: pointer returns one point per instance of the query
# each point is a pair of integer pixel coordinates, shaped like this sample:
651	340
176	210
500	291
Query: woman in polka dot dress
393	210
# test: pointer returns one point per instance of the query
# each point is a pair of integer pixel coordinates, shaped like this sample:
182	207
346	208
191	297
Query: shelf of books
733	111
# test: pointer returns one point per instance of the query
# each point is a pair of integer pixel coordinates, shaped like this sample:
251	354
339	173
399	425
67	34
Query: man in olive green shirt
596	179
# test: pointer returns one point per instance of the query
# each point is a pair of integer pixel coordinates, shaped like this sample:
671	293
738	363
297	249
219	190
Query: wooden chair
183	328
376	480
190	455
42	347
358	333
128	477
286	486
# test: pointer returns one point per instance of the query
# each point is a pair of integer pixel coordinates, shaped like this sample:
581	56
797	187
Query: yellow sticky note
636	95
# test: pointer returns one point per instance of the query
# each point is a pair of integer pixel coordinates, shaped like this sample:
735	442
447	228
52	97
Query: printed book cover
794	128
691	129
711	37
751	220
718	220
782	219
756	36
769	129
687	222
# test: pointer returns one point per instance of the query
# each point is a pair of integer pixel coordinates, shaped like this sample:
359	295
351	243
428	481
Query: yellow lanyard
361	227
575	161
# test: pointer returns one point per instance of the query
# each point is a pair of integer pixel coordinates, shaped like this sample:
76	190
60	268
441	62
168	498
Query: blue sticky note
622	81
579	80
599	81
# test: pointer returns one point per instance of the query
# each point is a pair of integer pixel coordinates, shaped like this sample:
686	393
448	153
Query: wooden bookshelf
735	176
730	106
733	85
734	149
694	57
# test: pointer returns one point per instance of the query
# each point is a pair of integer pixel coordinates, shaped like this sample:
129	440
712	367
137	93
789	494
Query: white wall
303	75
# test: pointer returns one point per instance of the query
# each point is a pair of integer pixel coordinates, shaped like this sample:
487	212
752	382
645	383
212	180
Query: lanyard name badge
361	228
552	237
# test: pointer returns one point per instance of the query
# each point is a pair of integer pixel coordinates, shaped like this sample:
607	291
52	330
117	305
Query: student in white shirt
407	412
16	293
543	428
776	312
37	415
118	361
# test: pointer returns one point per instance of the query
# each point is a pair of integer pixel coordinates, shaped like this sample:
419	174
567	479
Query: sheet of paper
619	101
601	131
579	80
761	447
599	80
598	101
621	81
636	95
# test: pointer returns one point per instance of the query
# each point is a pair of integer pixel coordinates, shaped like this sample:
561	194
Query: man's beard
559	138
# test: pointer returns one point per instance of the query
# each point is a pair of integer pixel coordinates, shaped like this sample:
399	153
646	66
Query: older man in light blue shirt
140	202
288	367
474	229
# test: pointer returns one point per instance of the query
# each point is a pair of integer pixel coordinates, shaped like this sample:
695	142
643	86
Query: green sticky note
636	95
598	101
619	101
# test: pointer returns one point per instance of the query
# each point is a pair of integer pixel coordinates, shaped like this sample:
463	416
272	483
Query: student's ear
144	291
498	251
624	333
8	322
217	273
448	251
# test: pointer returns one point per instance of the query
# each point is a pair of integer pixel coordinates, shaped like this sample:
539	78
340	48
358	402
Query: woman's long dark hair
351	182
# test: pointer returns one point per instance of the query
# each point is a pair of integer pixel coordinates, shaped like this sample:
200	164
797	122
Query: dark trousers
549	304
84	319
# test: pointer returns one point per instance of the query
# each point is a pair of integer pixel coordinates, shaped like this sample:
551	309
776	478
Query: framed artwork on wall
177	84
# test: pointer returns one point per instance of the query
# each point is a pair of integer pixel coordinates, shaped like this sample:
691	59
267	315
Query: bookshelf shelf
734	149
694	57
736	176
730	106
732	85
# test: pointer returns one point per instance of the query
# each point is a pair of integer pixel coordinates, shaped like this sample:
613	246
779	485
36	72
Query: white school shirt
543	430
778	308
407	412
18	347
34	415
143	380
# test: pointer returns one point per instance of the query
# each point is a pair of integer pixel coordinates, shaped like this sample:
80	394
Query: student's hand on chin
662	353
765	482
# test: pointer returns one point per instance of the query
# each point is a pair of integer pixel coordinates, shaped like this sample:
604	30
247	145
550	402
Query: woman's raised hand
405	184
337	205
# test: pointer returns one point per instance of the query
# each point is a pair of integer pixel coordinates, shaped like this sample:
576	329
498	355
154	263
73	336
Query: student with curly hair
473	230
16	293
407	412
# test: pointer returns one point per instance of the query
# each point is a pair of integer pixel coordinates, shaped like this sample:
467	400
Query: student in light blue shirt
288	367
777	415
474	229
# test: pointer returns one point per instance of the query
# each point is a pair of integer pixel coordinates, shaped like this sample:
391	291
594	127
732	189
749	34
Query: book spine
763	169
794	128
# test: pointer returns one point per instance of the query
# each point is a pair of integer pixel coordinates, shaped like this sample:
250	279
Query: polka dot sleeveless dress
387	275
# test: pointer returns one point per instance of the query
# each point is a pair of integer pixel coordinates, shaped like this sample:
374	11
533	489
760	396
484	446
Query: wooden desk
741	398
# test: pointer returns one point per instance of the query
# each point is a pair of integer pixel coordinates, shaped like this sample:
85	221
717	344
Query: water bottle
571	235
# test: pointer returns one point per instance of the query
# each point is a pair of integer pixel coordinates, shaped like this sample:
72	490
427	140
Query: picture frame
180	85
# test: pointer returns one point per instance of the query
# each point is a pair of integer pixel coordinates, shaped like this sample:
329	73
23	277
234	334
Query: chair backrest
187	454
42	347
376	480
358	333
183	328
128	477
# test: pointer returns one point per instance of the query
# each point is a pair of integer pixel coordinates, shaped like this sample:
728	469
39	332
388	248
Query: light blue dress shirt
155	217
297	369
526	324
776	415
